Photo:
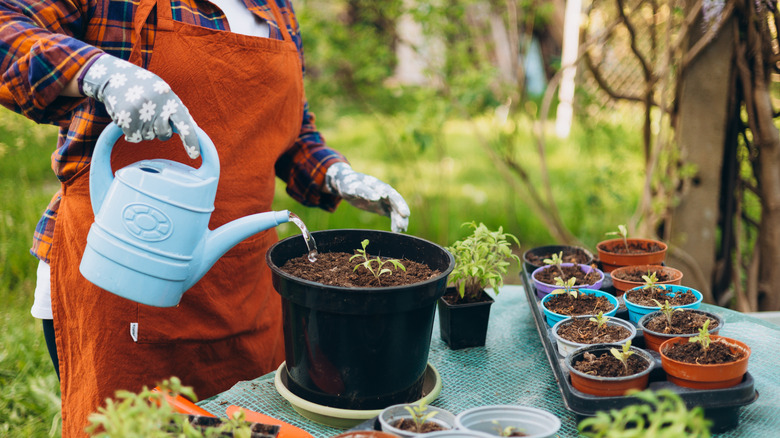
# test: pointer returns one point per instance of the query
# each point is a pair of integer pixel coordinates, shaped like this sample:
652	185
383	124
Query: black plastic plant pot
464	325
567	250
358	348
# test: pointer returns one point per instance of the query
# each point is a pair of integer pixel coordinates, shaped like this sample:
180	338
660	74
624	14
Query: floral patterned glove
368	193
139	102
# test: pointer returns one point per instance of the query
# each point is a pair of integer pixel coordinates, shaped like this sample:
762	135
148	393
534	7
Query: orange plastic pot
624	285
653	340
610	259
607	386
697	376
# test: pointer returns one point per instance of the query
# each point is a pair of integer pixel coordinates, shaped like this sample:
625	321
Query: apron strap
280	21
142	12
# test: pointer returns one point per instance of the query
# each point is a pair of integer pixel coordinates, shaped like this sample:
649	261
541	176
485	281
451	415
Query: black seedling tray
721	406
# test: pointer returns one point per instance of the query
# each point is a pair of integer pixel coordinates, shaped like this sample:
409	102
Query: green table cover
512	368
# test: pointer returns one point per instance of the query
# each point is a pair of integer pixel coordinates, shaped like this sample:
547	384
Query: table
512	369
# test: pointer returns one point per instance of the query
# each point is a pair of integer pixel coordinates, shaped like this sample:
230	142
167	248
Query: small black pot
464	325
549	249
358	348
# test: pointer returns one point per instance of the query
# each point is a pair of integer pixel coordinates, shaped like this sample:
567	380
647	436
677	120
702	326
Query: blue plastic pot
553	318
543	289
635	311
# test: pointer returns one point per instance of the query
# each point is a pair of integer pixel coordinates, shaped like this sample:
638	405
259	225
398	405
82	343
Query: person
159	68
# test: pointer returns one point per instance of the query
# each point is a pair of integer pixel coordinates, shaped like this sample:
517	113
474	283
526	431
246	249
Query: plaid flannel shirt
44	43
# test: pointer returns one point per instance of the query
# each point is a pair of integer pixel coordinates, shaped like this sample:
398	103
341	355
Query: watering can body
150	241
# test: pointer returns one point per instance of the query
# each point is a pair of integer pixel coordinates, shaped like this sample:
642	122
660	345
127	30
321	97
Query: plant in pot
625	251
585	276
149	413
481	261
579	331
671	322
509	420
661	413
609	369
359	341
629	277
645	299
704	361
534	258
566	302
412	419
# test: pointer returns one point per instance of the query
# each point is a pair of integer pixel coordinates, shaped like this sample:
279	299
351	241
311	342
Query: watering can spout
221	240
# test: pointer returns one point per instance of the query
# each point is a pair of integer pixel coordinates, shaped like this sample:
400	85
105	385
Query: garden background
455	105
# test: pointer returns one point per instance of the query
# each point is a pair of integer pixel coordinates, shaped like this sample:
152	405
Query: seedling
369	263
668	311
481	260
599	319
568	287
650	280
420	415
508	430
703	338
622	232
623	356
555	260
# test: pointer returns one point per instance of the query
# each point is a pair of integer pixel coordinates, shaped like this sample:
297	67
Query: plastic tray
721	406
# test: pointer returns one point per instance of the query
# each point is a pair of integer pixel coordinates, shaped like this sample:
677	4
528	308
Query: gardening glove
367	193
139	102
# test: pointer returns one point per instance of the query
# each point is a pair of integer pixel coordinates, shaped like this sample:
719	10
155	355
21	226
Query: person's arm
40	54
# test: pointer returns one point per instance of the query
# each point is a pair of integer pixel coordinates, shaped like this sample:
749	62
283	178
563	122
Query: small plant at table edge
623	355
622	232
420	414
508	430
481	260
368	263
599	319
148	414
668	311
662	414
567	287
555	260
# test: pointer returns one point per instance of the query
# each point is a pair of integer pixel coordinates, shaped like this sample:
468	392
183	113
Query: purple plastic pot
543	289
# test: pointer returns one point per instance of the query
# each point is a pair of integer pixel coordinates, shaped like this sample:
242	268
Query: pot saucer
346	418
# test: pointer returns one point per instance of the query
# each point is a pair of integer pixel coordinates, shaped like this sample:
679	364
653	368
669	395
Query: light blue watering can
150	241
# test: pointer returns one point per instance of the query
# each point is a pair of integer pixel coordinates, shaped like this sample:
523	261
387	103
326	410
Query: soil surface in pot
693	352
584	304
409	424
683	323
335	269
570	255
635	275
645	297
453	297
548	275
608	365
641	247
583	331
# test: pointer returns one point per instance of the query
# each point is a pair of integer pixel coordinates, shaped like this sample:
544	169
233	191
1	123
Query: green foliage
420	414
567	287
369	263
668	311
555	260
660	414
508	430
481	260
703	338
624	354
650	281
599	319
148	414
622	232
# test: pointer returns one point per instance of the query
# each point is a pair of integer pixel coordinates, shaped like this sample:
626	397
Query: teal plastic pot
491	420
636	311
554	318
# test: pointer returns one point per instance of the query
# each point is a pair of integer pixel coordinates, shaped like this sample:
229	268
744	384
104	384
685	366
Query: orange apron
247	95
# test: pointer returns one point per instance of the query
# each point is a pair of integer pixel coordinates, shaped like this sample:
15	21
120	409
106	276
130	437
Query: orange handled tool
184	406
286	430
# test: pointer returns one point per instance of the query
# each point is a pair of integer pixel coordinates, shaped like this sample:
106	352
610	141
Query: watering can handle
101	176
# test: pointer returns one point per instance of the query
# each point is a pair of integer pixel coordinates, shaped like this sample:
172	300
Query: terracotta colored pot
624	285
611	259
607	386
653	340
698	376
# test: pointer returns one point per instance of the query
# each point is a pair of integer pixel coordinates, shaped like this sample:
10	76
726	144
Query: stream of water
307	237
